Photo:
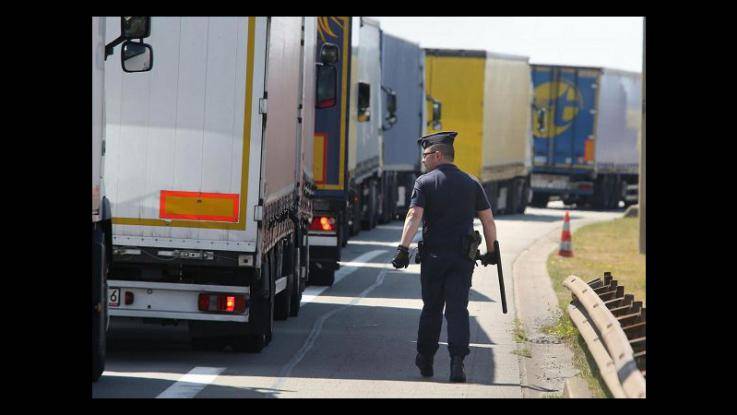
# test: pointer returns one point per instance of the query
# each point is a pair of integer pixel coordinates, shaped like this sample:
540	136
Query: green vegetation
524	352
519	331
607	246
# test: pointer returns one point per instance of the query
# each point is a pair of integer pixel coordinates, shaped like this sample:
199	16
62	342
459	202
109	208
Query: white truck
208	180
136	57
365	126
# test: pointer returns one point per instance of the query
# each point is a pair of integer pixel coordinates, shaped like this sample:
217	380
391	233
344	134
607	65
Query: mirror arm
109	48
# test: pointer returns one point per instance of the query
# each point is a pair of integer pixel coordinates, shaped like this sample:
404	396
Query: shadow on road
114	386
357	342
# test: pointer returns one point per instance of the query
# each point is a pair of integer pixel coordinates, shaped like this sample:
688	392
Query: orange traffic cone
565	238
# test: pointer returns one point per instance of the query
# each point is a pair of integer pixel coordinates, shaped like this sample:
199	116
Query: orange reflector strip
199	206
319	155
588	152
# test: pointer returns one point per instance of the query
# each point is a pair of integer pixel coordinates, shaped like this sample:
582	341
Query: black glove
489	258
401	259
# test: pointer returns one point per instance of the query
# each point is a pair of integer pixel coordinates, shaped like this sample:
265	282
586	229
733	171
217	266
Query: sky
611	42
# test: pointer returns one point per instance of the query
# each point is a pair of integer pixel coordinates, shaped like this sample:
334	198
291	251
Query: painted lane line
317	329
310	293
192	383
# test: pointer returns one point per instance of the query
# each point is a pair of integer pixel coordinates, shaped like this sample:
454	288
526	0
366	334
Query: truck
586	130
365	127
402	78
136	57
486	97
207	185
332	221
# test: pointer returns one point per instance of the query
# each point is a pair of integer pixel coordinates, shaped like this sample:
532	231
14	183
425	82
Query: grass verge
607	246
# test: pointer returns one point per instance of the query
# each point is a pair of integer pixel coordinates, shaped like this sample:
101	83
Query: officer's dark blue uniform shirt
450	199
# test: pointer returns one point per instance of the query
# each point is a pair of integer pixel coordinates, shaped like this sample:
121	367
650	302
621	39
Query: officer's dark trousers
446	281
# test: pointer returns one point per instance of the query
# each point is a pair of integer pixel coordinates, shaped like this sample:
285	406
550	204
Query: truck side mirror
137	27
391	108
364	102
327	86
541	119
391	103
437	109
136	57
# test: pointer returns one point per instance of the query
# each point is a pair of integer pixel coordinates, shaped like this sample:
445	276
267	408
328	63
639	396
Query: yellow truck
486	97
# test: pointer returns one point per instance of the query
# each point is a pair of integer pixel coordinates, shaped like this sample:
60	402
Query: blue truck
402	78
586	126
329	229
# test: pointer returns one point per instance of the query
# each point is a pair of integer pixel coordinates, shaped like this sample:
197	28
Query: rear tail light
326	103
222	303
322	223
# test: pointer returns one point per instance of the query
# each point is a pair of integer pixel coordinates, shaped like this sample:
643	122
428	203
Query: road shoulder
545	361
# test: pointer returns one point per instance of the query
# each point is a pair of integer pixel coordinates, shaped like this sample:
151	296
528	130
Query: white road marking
192	383
317	328
311	292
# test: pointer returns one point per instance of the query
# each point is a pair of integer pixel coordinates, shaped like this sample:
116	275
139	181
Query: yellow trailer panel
458	83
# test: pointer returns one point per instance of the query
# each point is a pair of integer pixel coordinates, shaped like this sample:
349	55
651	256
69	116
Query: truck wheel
370	221
99	303
261	316
299	285
513	197
343	232
283	300
322	277
356	221
524	190
539	200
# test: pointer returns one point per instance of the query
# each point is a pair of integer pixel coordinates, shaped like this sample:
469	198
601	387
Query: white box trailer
365	124
204	167
507	136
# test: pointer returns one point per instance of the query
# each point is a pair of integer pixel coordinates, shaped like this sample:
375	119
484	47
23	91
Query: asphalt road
355	339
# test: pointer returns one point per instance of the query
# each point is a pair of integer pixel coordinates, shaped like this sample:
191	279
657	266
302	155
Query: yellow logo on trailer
555	107
323	26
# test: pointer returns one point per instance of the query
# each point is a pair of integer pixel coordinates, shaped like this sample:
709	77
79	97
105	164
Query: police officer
446	200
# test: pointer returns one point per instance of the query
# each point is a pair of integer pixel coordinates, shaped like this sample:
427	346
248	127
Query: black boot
425	364
456	369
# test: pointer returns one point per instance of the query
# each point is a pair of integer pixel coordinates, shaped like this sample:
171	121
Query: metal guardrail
601	311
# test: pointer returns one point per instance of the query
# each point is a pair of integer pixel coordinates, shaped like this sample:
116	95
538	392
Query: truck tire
262	317
98	303
370	221
299	282
513	196
524	190
321	277
283	300
344	232
539	200
602	196
389	191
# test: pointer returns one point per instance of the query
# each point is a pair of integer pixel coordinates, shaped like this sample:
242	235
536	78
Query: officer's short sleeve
482	202
418	197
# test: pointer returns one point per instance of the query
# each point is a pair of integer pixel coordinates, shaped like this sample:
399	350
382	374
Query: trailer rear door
184	140
564	113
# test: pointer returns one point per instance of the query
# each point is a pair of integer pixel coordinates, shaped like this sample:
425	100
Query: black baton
501	276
